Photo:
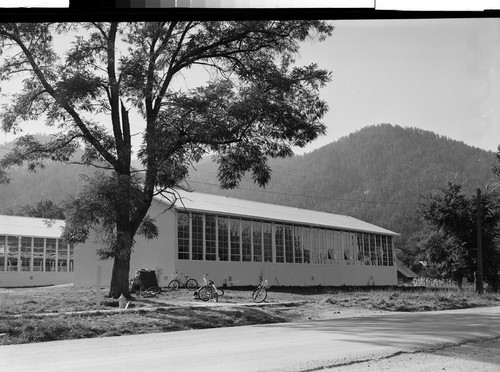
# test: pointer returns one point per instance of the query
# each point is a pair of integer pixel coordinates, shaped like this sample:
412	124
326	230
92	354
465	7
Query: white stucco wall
32	279
286	274
155	254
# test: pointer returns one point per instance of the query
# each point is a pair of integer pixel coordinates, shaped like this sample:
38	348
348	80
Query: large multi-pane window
26	254
223	238
62	256
3	246
389	251
373	250
38	253
288	243
50	255
351	251
235	239
306	238
297	243
315	242
12	253
384	251
278	241
366	249
380	250
257	241
210	237
71	259
267	235
330	248
246	240
183	236
322	246
359	243
31	254
197	236
346	246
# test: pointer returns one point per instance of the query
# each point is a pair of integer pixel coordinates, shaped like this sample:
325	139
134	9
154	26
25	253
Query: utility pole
479	275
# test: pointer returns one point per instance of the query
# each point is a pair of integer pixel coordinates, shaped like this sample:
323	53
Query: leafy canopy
449	240
115	80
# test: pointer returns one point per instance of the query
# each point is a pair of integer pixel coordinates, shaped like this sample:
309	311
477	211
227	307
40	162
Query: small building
405	274
237	242
32	253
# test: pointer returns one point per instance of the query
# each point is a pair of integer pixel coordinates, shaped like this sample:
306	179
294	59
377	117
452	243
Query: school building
237	242
32	253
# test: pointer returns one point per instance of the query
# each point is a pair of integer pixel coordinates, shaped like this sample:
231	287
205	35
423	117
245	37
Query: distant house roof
30	226
404	270
216	204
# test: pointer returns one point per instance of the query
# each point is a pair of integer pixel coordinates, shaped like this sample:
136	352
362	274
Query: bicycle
204	282
189	283
210	291
260	293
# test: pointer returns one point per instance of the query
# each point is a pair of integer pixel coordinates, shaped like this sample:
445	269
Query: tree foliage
43	209
450	241
256	105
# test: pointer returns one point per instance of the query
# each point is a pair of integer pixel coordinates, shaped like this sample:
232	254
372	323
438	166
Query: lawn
63	312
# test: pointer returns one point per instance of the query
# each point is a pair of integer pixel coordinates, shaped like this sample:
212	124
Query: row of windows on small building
35	254
223	238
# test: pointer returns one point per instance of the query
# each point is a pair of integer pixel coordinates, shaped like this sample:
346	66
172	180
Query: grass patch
24	311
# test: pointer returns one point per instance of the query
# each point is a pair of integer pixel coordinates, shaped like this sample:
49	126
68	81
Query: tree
449	240
256	105
43	209
446	253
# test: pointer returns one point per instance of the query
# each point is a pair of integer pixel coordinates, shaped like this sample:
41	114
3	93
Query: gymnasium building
237	242
232	241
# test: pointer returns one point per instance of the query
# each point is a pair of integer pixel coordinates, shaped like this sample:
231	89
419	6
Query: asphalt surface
355	344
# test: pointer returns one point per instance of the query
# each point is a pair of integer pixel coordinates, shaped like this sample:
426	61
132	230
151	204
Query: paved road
278	347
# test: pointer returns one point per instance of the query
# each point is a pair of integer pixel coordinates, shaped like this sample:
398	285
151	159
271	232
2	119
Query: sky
437	74
440	75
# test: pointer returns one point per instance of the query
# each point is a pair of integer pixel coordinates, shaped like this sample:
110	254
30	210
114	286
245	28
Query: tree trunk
120	278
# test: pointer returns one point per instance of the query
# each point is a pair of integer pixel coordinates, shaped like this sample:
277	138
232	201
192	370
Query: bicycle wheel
205	293
174	285
259	295
192	284
220	292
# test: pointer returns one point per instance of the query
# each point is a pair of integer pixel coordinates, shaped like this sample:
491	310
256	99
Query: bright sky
440	75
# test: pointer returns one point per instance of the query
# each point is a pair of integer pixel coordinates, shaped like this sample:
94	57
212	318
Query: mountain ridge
378	174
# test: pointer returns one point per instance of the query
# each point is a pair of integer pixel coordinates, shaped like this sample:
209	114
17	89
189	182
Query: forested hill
55	182
377	174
